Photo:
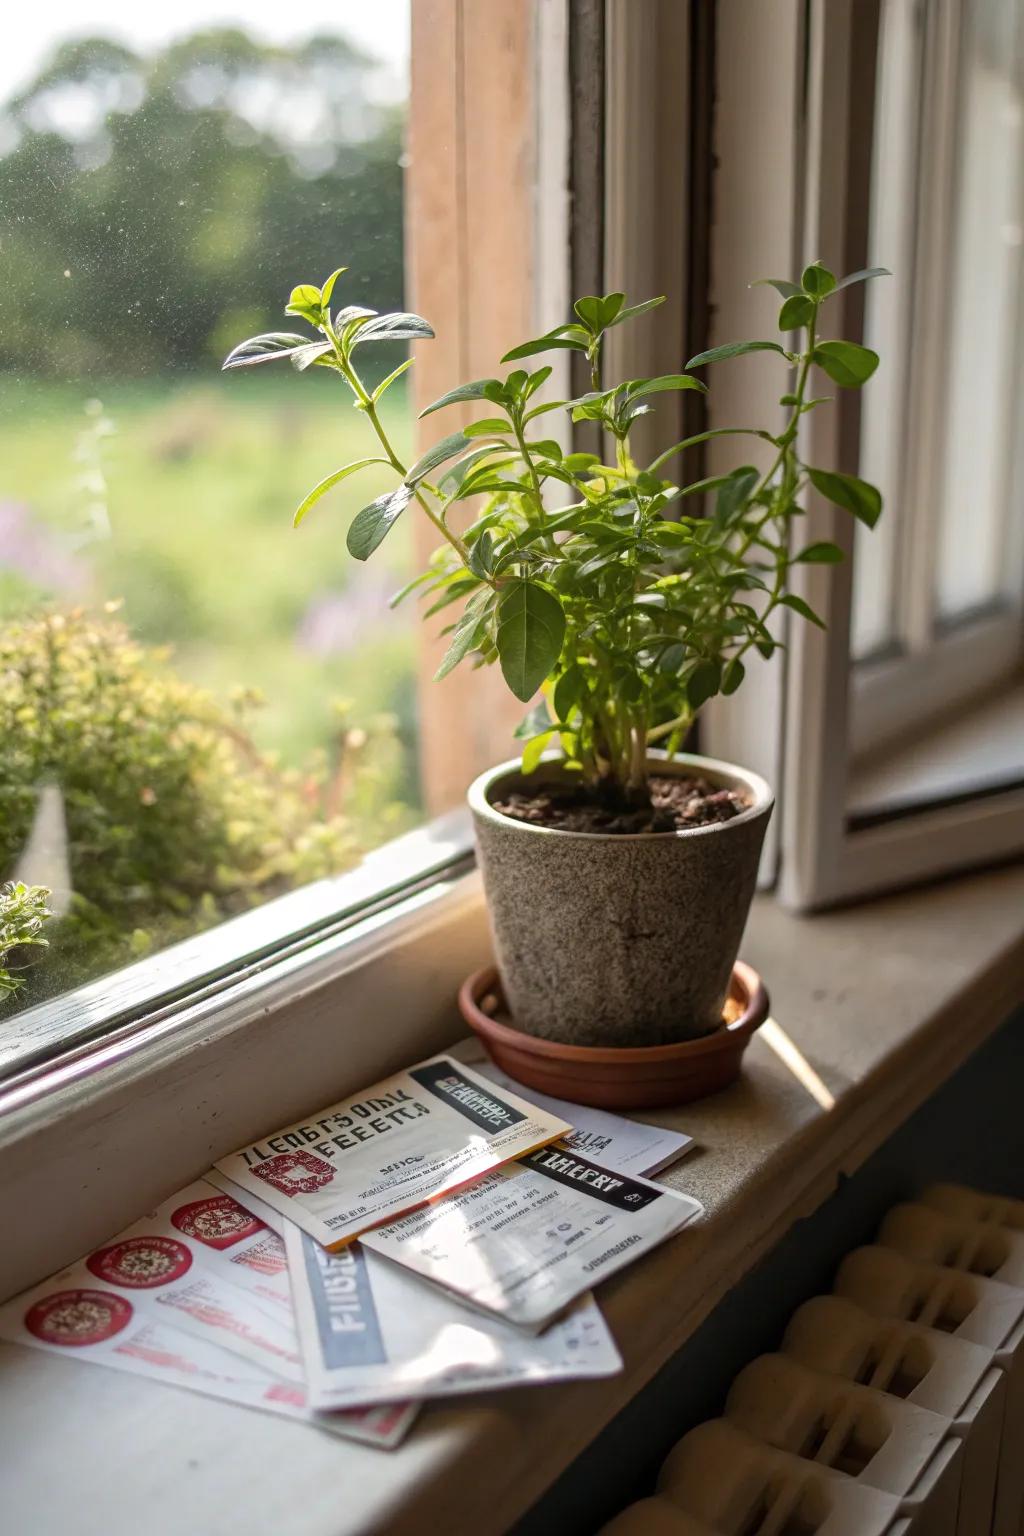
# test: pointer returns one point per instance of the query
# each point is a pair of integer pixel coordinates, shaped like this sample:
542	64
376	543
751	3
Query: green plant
174	818
23	911
629	613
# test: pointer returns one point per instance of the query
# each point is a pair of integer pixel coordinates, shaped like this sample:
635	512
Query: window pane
886	319
980	504
200	707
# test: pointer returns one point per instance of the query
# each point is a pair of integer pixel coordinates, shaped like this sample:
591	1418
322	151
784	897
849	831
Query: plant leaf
305	301
784	288
733	349
863	276
543	344
447	448
667	381
264	349
817	280
819	554
534	721
464	639
396	373
370	526
805	610
304	357
797	311
399	326
849	492
327	484
733	676
477	390
846	362
632	310
328	287
531	627
703	683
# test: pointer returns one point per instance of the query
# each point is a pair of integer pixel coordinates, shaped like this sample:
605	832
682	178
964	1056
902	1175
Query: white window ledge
879	1008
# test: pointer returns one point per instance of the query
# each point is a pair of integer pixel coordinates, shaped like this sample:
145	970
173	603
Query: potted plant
617	600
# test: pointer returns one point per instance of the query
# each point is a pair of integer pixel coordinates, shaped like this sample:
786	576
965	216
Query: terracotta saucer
618	1078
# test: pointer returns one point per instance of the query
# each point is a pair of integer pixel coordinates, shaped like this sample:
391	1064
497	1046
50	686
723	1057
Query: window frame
933	666
826	856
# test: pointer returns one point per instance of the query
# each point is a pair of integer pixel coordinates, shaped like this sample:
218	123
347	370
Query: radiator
894	1407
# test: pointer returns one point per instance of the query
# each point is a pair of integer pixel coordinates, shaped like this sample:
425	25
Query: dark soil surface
677	805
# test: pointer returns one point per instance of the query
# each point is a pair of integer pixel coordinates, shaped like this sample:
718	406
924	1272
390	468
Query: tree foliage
151	204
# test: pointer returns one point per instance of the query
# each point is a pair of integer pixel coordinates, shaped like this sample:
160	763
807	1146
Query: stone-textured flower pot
609	939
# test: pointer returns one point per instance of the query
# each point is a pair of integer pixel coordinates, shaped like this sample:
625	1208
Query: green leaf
819	554
805	610
567	692
784	288
703	683
733	493
544	344
863	276
632	310
817	280
531	627
846	362
589	309
464	639
328	287
370	526
797	311
535	749
535	720
481	555
327	483
733	349
304	357
733	676
399	326
488	427
477	390
849	492
703	437
305	301
396	373
667	381
266	348
447	448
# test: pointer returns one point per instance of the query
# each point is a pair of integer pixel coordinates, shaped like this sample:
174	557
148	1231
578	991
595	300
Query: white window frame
933	668
788	73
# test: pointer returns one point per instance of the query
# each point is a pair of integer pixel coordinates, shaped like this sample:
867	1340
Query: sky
381	27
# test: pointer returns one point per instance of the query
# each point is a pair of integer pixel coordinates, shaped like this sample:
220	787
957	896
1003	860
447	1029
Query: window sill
865	1044
978	752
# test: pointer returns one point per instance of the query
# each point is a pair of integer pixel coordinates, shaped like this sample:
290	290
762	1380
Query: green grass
202	476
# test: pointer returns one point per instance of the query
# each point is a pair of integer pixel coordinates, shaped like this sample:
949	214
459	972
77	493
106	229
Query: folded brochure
387	1150
369	1329
196	1294
526	1240
628	1146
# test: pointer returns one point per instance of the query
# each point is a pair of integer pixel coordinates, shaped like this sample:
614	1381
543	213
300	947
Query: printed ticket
627	1146
369	1329
531	1237
154	1302
405	1141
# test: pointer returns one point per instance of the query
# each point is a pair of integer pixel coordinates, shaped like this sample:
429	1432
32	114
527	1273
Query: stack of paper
433	1235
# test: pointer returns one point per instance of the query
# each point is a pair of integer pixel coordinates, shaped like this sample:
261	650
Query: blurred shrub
23	911
175	819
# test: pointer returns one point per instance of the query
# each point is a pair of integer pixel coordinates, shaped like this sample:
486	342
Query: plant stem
357	387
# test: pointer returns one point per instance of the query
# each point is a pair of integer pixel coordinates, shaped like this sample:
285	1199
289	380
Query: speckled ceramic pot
606	939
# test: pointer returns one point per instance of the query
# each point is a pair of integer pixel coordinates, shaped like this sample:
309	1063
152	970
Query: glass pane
980	503
886	320
200	707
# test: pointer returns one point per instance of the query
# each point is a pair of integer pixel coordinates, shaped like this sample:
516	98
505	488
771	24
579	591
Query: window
200	709
897	738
